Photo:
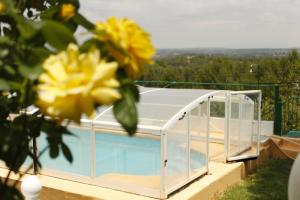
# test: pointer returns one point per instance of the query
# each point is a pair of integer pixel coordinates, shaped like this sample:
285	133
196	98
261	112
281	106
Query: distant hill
224	51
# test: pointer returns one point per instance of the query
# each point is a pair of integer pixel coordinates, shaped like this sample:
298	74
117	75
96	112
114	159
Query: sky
207	23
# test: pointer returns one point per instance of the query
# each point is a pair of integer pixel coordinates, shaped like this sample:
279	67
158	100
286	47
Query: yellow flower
2	7
74	82
128	43
67	11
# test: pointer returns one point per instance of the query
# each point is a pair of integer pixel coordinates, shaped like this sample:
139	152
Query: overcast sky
208	23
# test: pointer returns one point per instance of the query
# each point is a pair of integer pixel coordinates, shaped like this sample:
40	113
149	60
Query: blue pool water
116	154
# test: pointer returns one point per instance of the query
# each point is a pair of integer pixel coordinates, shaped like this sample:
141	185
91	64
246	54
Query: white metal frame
166	191
227	141
220	96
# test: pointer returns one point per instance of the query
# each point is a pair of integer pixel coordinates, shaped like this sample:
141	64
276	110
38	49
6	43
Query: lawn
268	182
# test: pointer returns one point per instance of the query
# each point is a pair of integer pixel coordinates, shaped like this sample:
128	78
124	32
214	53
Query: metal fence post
277	111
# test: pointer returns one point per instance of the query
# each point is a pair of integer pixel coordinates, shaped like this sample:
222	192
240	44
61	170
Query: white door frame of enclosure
228	124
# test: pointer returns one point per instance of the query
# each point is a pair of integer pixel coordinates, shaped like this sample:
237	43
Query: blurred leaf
4	85
67	153
54	150
4	109
34	123
15	85
57	35
15	143
17	159
87	45
55	132
130	84
4	53
9	69
50	13
37	56
125	109
10	192
81	20
6	41
26	28
30	72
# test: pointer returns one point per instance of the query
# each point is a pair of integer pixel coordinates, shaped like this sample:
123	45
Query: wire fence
291	115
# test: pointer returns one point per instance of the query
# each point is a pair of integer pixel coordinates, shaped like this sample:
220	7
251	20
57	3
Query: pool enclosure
177	131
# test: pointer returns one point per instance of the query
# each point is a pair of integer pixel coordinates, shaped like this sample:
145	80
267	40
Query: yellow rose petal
66	108
56	71
72	81
105	71
86	104
132	46
110	83
105	96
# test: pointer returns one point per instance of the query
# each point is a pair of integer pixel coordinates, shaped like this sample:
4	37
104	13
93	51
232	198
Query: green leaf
130	84
6	41
4	85
67	153
54	150
14	85
81	20
38	55
57	35
26	28
87	45
4	53
20	159
30	72
125	109
9	69
10	192
50	13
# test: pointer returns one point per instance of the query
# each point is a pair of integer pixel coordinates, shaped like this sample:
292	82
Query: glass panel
217	120
80	148
244	126
246	123
128	161
234	127
217	109
256	135
198	138
158	106
177	153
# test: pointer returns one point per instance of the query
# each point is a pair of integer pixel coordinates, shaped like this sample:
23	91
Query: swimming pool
118	154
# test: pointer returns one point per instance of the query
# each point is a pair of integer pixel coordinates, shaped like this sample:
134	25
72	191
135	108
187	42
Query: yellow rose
74	82
128	43
2	7
67	11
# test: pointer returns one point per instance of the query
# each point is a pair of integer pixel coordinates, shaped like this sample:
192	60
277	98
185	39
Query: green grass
268	182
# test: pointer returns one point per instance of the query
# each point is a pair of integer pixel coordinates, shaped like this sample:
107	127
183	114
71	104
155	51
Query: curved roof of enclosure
158	107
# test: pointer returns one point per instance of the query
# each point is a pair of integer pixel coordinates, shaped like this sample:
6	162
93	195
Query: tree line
226	69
